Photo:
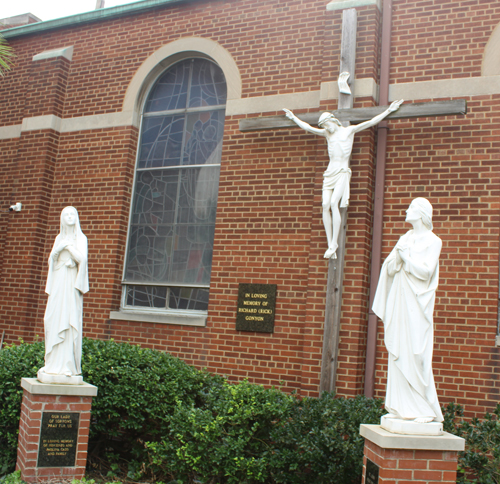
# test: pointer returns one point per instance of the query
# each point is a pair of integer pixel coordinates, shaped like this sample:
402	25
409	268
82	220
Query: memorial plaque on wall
371	472
58	439
256	306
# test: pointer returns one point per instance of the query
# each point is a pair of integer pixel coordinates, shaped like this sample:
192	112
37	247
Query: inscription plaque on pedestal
58	439
256	306
371	472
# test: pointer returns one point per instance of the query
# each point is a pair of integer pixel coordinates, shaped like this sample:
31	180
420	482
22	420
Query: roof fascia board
88	17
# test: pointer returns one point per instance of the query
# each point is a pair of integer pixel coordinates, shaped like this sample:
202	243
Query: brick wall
269	227
405	466
441	39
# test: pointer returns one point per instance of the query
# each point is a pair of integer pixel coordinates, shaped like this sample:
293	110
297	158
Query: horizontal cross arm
358	115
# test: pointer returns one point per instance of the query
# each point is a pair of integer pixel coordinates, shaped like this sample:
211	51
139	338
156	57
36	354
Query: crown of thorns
327	116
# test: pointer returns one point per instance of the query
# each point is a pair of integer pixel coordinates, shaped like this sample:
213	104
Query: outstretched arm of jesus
372	122
303	124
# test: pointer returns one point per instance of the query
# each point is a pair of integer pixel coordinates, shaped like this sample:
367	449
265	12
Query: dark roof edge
88	17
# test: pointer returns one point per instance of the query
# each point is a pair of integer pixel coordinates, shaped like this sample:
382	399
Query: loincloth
338	179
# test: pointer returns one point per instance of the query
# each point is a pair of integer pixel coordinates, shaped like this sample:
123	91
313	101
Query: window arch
491	62
172	219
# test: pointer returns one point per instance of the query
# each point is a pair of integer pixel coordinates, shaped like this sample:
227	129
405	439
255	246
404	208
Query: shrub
320	441
249	434
16	362
224	440
14	478
480	462
200	428
136	388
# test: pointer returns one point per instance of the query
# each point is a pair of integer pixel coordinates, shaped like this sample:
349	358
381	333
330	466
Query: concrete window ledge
198	318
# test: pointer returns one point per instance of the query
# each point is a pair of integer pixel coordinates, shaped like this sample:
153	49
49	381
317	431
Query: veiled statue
67	282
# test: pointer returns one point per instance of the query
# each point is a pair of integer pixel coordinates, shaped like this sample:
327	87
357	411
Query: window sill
198	318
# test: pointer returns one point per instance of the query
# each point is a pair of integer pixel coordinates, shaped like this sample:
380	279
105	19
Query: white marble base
389	440
409	427
59	379
33	386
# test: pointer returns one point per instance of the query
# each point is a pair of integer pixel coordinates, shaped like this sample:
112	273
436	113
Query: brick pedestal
61	407
403	459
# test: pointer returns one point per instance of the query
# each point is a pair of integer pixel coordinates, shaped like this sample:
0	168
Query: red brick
269	225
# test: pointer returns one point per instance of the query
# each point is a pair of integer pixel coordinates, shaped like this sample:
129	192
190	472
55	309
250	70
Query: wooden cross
346	115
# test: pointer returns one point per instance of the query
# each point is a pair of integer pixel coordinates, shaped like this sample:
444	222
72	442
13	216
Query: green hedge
320	441
136	388
225	440
248	434
480	463
157	418
15	362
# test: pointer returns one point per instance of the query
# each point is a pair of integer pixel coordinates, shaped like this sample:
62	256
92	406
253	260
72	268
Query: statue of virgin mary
67	282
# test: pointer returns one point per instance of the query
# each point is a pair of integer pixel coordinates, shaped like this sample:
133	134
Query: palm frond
6	56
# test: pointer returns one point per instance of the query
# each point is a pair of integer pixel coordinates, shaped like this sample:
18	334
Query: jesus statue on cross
337	176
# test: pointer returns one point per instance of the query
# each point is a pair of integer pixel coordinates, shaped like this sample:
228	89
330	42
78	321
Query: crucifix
345	115
337	177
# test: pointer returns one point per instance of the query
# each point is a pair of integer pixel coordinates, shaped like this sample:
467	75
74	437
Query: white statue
67	282
337	176
405	302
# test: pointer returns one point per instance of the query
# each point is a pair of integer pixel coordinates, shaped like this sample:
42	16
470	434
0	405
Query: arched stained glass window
172	219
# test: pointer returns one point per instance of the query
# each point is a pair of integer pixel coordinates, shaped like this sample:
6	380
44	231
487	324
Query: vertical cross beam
336	266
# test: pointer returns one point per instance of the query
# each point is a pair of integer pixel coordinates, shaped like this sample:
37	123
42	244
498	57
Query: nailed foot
331	253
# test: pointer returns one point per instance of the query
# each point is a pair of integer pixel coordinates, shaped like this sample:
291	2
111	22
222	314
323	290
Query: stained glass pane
203	143
198	190
188	298
147	296
150	249
156	195
161	141
172	222
192	256
208	85
170	91
172	227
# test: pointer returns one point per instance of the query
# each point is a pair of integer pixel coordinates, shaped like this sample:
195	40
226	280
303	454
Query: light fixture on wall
16	207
